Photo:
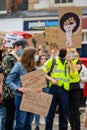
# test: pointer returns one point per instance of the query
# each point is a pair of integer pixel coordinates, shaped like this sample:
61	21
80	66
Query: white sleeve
83	74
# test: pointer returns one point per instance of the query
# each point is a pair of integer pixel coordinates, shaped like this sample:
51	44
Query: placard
70	27
34	102
33	80
51	37
37	39
11	38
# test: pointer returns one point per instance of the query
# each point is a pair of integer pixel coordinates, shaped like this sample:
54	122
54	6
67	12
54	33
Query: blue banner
39	24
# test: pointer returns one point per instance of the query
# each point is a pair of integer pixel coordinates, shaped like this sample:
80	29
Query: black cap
21	42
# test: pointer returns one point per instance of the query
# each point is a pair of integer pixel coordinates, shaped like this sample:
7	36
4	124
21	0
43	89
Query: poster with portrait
70	27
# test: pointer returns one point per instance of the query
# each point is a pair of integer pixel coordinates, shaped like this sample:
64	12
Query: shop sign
39	24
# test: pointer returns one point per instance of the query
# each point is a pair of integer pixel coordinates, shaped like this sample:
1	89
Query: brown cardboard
70	21
34	102
34	80
51	37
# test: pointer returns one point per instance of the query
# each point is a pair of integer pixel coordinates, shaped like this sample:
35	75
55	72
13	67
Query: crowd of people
65	76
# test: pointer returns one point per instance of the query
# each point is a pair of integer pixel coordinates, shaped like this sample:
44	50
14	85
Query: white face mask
72	54
36	58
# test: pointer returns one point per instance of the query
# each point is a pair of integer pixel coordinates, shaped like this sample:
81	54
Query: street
42	126
55	127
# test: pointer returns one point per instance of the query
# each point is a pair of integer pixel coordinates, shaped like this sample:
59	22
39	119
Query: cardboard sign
70	27
11	38
33	80
3	35
34	102
37	39
51	37
40	38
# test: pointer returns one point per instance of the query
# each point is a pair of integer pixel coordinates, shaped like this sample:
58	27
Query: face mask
62	53
36	58
20	52
72	54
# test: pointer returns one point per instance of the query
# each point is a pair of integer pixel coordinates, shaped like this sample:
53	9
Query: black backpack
53	64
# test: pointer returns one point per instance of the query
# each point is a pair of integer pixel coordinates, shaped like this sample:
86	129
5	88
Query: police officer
59	87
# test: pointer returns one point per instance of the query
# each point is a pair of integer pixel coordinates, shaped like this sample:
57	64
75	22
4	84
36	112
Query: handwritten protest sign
51	37
37	39
40	38
33	80
11	38
34	102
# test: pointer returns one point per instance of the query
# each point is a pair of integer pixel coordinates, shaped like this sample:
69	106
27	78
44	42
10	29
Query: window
2	5
63	1
84	37
83	50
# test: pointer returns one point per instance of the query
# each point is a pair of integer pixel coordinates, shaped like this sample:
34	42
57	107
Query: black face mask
62	53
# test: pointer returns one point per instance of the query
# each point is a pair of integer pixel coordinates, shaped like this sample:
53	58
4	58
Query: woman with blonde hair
25	65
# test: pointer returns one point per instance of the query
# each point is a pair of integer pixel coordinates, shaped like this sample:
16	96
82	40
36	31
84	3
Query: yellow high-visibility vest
59	72
77	77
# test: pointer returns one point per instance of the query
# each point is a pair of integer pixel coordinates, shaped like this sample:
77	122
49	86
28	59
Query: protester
74	97
83	76
85	118
59	87
25	65
7	94
2	107
40	62
83	80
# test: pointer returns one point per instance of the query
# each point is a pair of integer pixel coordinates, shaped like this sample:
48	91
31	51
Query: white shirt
83	76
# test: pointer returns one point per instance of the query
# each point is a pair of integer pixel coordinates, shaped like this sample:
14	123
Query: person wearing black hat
7	94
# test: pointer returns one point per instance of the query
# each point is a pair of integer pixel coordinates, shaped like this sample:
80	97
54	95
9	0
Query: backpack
53	64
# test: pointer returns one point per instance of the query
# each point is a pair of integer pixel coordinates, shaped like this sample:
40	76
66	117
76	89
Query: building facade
7	5
17	15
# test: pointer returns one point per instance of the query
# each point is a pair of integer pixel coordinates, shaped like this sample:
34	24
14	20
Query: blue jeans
46	89
60	96
3	116
37	119
23	119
